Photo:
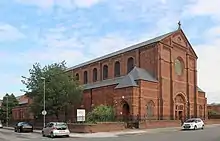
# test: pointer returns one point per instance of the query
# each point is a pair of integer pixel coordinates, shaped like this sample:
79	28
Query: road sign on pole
44	112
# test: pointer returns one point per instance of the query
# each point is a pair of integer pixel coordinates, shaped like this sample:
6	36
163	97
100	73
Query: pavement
210	133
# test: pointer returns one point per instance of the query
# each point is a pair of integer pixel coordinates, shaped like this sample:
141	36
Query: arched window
179	66
85	77
105	72
150	109
130	64
95	75
77	76
117	69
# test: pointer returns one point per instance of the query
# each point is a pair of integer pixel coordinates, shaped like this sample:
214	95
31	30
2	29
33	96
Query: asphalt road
208	134
10	135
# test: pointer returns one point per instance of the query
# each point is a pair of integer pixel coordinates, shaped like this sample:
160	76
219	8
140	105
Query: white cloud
208	68
203	8
10	33
107	44
213	33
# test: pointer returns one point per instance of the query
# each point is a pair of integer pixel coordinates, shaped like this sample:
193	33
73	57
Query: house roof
124	81
154	40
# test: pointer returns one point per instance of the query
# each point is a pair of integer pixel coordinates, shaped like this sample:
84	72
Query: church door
179	107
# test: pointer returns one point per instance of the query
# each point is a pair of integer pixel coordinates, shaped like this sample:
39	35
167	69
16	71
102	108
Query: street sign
44	112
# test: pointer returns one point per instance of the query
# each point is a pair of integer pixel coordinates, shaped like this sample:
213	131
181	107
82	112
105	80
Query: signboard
81	115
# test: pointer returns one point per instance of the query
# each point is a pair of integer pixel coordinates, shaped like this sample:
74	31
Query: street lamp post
44	111
7	113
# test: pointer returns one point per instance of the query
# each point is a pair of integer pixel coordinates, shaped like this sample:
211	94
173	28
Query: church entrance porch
180	107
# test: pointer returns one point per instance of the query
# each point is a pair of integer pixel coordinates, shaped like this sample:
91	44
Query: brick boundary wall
119	126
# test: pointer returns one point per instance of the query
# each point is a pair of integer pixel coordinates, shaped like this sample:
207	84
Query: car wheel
51	135
43	134
67	136
202	127
195	127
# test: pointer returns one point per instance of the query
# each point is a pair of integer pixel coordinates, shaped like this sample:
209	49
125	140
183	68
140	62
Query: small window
85	77
95	75
117	69
77	76
130	64
105	72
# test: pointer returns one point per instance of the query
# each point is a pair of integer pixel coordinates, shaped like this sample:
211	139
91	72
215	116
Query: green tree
61	88
12	102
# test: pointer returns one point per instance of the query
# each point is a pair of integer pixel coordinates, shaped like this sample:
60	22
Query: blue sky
48	31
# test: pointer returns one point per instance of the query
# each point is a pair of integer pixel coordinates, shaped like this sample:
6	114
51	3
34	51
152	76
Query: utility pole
7	113
44	111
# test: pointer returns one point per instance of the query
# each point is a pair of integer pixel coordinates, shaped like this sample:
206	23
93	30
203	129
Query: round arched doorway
179	107
125	111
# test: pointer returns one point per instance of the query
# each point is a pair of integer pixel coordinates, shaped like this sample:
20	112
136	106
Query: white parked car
1	126
54	129
193	123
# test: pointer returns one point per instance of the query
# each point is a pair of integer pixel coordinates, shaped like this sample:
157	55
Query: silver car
53	129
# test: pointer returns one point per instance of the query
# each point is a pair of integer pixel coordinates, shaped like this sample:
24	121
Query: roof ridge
129	48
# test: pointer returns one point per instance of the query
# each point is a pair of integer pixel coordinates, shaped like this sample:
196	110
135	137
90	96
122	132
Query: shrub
101	113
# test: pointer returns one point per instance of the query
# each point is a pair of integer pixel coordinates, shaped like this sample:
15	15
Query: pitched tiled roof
139	73
124	81
127	81
154	40
102	83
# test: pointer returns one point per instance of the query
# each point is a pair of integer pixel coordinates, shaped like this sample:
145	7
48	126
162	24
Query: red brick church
154	79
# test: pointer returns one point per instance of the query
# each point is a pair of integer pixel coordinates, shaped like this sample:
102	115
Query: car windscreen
190	120
60	125
26	124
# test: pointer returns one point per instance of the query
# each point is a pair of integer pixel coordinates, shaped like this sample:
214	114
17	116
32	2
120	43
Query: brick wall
100	127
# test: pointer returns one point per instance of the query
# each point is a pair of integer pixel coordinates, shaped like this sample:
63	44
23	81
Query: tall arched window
117	69
95	75
105	72
77	76
130	64
150	109
85	77
179	66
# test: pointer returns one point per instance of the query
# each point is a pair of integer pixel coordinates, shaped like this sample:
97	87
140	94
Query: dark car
23	127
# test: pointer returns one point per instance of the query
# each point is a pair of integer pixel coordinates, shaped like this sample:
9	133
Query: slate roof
154	40
124	81
102	83
127	81
139	73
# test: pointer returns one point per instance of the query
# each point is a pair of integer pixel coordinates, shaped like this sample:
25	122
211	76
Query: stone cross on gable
179	25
